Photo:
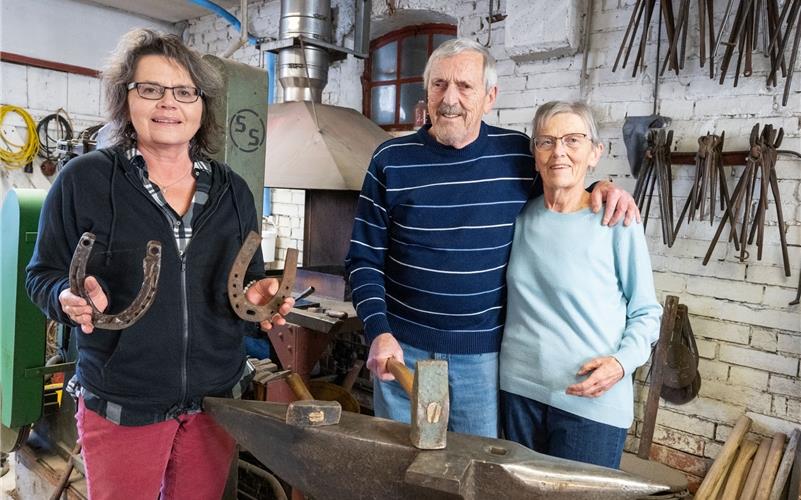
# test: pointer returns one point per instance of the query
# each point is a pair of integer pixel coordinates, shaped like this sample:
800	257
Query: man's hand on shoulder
618	203
384	346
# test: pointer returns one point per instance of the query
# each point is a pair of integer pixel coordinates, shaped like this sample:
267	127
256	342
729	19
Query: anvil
368	457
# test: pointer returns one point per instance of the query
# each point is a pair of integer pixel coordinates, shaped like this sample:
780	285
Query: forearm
47	273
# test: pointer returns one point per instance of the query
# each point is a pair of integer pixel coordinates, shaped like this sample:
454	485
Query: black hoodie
189	344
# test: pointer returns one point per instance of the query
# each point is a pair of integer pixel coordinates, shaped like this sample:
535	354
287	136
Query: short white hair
552	108
455	46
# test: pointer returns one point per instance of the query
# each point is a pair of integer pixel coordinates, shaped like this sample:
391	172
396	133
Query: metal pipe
585	75
243	31
361	28
303	71
208	4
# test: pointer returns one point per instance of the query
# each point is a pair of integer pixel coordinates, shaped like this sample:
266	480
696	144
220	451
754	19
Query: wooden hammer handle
298	387
402	374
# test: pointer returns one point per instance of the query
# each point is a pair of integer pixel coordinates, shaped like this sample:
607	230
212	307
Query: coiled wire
12	155
48	144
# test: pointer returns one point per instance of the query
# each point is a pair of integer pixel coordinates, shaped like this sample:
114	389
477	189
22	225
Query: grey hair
455	46
548	110
119	72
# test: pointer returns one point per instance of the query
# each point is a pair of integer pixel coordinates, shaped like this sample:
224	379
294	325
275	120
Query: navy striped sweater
432	236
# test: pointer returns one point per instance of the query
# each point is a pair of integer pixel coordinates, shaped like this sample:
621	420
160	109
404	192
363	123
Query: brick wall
38	30
42	92
749	339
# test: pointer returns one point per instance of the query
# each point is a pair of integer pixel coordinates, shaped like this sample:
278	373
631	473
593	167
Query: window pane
385	63
414	53
382	104
439	38
410	94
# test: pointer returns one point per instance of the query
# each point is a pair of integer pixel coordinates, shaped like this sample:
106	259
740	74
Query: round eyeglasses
154	91
570	141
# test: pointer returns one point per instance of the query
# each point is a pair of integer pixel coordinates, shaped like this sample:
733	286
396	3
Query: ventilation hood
311	145
335	156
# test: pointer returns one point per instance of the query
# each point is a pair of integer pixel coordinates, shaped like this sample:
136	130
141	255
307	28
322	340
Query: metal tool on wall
756	24
656	170
795	16
797	298
751	194
709	180
635	132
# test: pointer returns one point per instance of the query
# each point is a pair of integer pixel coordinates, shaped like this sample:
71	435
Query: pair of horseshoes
152	267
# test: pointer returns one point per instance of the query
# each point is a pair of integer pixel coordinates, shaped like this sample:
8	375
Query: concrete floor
7	482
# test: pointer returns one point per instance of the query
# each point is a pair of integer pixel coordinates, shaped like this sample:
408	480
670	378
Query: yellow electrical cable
13	155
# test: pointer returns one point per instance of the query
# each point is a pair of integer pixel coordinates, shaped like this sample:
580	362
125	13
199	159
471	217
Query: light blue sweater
577	290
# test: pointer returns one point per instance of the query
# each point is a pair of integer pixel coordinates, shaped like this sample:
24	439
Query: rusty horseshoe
244	308
151	265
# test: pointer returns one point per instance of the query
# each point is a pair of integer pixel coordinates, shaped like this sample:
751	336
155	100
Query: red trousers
188	458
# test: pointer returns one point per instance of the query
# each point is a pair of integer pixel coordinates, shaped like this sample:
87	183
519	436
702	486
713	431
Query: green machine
242	113
22	325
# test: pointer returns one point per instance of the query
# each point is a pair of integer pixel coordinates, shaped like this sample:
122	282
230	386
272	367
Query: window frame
398	36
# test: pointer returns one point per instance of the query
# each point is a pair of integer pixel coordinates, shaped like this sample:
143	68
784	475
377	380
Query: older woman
139	390
582	312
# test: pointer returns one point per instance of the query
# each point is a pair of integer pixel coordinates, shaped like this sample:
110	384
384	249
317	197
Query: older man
432	235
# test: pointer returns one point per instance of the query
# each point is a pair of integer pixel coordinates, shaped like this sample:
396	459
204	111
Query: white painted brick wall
749	338
42	92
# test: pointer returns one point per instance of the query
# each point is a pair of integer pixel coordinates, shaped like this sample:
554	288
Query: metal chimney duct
311	145
303	72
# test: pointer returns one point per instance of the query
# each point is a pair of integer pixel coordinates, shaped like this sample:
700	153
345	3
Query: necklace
165	187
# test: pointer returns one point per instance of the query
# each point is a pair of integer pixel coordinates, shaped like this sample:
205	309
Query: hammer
428	392
308	411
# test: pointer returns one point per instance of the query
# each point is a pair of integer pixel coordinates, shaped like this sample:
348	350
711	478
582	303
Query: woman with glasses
139	390
581	309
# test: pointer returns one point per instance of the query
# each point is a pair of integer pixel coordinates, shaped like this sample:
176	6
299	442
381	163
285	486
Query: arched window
393	75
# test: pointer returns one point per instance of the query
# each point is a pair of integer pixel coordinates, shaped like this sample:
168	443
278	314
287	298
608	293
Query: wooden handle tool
430	401
757	466
739	470
403	375
771	466
718	470
298	387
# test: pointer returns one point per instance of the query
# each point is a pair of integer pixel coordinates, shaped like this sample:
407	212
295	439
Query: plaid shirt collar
135	157
181	225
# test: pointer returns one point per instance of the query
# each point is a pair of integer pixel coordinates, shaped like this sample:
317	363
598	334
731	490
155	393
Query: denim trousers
557	433
473	391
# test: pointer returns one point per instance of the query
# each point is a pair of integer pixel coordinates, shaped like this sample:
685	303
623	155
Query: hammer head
312	413
430	405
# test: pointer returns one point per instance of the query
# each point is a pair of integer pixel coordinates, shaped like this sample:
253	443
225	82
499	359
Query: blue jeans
557	433
473	384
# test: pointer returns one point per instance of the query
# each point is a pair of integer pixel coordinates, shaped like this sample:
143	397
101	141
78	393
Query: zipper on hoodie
184	299
185	332
210	210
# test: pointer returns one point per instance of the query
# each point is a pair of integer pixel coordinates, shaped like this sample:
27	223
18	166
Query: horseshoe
151	265
244	308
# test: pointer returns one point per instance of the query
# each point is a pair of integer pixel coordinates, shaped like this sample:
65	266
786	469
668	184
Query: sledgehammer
430	402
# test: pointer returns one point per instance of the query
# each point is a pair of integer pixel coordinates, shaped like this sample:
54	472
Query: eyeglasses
570	141
154	92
